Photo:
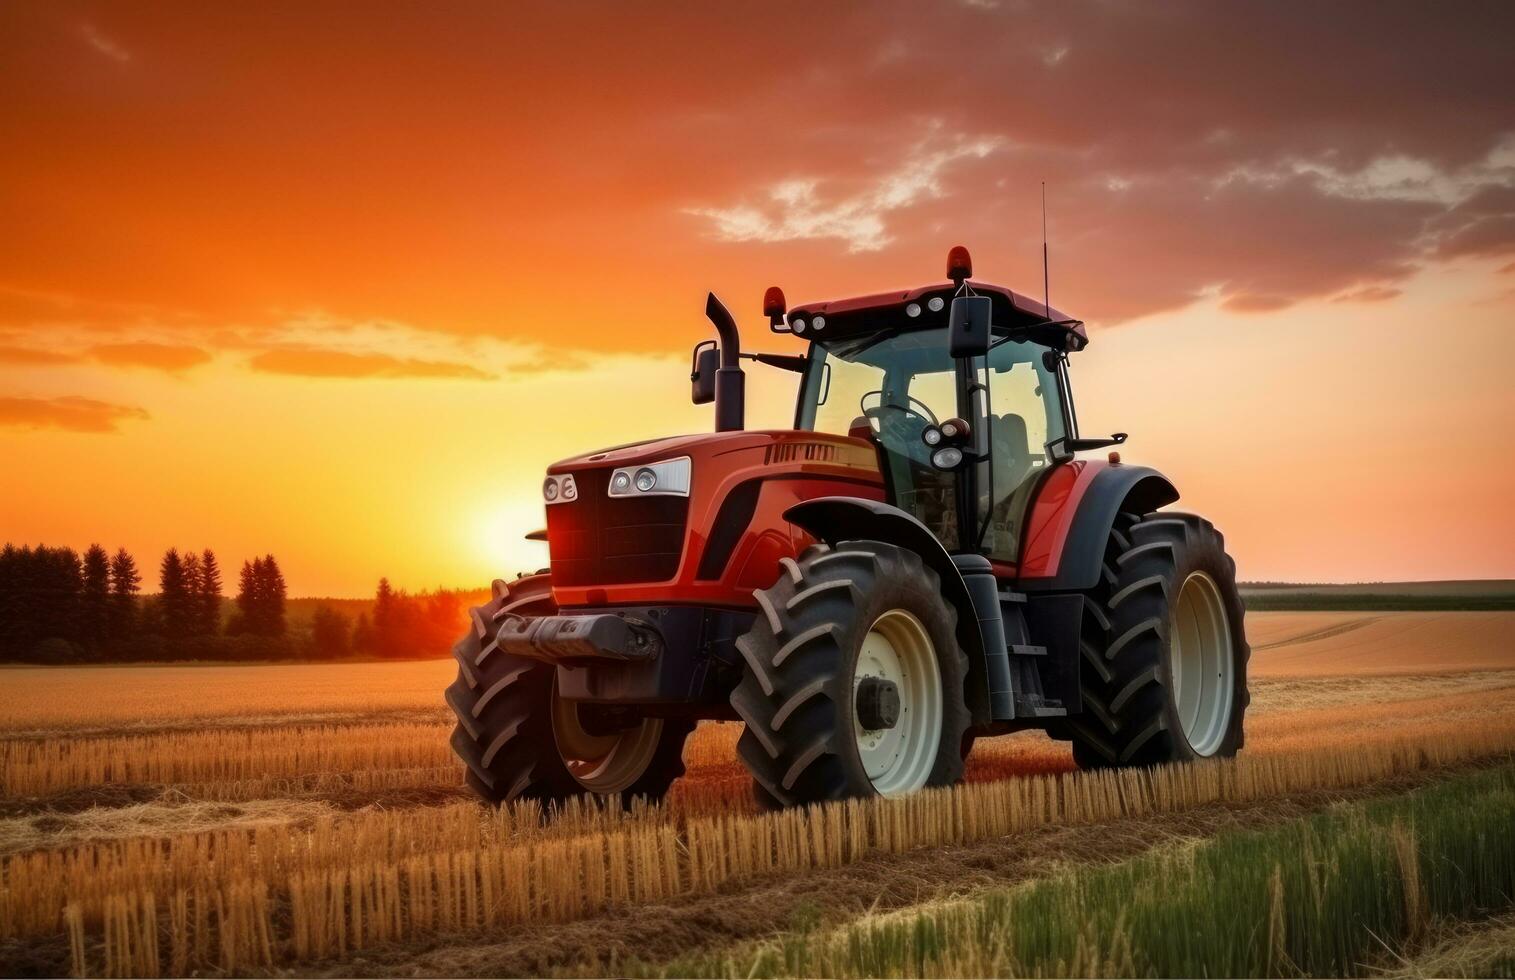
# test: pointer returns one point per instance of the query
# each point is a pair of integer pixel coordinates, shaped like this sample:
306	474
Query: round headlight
646	479
949	429
621	482
913	310
932	435
819	323
935	304
799	326
570	489
550	489
947	459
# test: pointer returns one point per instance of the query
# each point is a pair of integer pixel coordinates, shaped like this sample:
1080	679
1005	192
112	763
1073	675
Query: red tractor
921	561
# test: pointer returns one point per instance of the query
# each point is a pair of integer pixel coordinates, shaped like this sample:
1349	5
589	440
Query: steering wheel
877	412
900	427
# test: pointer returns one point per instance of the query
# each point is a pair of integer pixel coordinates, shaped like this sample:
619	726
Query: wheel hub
897	704
878	704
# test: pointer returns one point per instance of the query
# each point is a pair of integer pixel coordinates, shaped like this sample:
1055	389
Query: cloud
1369	294
32	357
104	44
795	210
71	413
317	362
172	358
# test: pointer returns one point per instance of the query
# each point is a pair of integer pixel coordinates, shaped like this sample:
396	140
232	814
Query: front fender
837	519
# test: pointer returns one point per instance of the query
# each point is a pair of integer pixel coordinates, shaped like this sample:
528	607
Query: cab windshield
888	387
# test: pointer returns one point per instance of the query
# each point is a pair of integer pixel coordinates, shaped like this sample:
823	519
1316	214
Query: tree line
58	606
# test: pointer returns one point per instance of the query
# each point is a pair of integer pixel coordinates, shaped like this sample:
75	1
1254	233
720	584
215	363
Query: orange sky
338	281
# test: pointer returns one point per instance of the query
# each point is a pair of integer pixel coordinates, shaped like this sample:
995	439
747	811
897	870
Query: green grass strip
1330	894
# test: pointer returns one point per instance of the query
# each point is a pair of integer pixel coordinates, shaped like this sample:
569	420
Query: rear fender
837	519
1112	489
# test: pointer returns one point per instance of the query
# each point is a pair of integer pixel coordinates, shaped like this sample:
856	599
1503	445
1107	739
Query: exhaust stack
730	381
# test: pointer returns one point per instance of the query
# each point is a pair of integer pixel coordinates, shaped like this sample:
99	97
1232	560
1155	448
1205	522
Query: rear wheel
854	680
1164	670
519	740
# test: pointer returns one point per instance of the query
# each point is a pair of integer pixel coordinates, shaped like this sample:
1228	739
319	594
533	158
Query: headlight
667	477
560	489
947	459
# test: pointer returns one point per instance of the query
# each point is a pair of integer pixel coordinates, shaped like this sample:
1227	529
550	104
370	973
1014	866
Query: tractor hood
652	450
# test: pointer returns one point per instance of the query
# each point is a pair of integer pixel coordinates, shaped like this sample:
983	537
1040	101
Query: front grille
597	540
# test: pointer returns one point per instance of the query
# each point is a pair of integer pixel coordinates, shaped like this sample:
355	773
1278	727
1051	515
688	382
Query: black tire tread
1125	720
790	695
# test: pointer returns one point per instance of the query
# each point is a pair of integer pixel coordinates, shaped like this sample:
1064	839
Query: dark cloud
32	357
71	413
1273	152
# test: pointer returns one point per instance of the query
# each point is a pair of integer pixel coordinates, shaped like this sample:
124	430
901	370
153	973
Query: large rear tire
1164	672
854	680
519	740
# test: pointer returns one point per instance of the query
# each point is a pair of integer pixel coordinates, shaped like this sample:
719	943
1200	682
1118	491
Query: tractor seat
1012	452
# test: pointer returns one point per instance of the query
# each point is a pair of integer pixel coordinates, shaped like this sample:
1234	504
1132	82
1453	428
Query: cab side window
1025	413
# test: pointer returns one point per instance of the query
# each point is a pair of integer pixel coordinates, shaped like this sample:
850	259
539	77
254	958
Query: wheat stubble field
309	819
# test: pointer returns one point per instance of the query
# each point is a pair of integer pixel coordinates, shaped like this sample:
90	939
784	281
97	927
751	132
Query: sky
338	281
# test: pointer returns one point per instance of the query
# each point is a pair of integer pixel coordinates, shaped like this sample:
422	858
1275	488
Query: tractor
923	560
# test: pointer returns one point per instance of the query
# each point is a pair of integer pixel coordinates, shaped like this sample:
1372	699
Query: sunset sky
338	281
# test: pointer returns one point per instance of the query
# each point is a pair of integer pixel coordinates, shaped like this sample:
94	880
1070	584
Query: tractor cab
961	440
919	562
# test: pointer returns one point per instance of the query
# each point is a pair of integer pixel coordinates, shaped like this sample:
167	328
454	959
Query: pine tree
125	582
362	635
386	619
247	595
190	563
58	582
95	604
209	594
173	596
273	595
16	613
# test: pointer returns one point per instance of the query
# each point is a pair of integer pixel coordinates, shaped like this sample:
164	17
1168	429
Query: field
309	819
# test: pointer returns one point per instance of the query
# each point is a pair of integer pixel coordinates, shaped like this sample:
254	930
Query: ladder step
1034	706
1027	650
1012	597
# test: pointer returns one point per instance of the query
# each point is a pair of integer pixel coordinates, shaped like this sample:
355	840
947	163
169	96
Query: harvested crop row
356	899
34	768
1323	896
242	763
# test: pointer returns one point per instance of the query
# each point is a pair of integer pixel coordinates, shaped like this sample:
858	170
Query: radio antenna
1046	288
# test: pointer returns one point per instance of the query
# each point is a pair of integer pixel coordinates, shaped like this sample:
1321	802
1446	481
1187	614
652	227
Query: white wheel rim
1203	664
898	649
602	763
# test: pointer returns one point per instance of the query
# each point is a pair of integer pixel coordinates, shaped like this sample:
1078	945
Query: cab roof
1012	312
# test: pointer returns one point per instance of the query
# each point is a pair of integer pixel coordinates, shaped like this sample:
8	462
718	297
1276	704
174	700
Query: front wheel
1164	670
519	740
854	680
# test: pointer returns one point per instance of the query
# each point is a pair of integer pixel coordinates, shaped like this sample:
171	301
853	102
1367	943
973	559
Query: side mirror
968	326
705	362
